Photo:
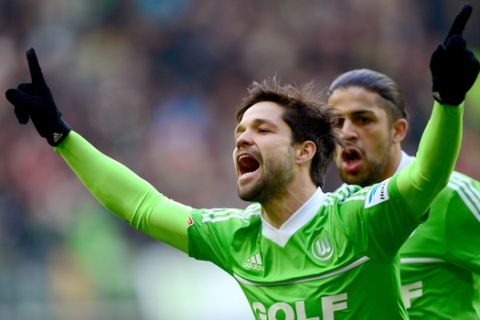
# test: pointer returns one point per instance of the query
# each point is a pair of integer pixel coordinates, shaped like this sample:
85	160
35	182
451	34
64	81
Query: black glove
453	65
35	101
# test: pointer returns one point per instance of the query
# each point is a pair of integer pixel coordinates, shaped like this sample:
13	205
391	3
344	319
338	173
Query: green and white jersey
441	259
335	258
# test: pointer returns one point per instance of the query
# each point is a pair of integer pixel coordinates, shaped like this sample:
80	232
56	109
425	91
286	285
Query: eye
339	123
264	130
363	120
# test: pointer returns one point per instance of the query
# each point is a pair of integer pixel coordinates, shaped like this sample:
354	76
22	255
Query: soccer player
441	258
297	252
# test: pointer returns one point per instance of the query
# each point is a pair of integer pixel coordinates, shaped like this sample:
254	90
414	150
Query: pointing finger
35	70
460	20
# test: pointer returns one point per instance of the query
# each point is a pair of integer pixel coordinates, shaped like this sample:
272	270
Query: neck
277	210
396	157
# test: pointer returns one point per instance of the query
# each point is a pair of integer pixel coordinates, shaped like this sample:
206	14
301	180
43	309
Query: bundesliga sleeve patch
378	193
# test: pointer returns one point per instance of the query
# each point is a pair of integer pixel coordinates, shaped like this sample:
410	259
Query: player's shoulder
217	215
346	193
460	183
461	178
365	197
464	189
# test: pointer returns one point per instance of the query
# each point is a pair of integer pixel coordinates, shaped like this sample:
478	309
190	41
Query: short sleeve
211	232
381	221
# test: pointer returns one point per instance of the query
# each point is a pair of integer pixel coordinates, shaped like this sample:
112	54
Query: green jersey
441	259
333	259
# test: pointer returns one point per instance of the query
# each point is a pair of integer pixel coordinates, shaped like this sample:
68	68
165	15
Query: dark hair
375	82
308	119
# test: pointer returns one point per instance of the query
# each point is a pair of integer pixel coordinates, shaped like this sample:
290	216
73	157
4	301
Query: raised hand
453	65
35	101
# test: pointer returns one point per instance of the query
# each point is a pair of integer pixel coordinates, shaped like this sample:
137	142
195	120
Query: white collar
404	161
303	215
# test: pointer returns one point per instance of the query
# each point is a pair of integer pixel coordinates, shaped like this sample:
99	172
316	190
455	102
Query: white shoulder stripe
300	280
215	215
358	198
224	218
420	260
468	193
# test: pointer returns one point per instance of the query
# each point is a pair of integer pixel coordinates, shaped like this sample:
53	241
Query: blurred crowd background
155	84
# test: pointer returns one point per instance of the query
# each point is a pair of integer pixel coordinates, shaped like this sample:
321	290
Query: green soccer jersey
441	259
333	259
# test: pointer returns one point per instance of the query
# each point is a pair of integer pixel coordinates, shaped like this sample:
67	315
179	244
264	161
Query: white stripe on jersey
467	192
216	215
340	195
358	198
344	191
300	280
421	260
330	202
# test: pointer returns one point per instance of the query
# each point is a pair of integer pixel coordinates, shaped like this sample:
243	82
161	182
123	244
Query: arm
454	69
115	186
435	160
125	194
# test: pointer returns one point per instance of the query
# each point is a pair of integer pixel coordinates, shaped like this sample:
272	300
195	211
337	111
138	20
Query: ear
305	151
399	130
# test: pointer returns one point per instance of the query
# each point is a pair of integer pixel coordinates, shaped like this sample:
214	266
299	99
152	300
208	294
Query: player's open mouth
247	165
352	160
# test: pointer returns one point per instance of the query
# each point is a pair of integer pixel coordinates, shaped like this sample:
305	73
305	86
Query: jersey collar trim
303	215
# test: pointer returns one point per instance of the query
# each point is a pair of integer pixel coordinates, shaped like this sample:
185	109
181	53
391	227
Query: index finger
35	70
460	20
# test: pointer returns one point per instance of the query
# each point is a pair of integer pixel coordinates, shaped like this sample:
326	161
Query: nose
348	131
243	139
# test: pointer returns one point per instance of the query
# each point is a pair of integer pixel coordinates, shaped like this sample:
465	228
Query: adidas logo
57	136
254	263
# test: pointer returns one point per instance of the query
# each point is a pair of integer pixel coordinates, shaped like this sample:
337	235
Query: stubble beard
373	171
274	181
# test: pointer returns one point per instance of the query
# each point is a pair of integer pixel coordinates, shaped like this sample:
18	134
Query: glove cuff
60	132
452	100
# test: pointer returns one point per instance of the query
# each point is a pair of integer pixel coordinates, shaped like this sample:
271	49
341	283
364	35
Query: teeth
248	173
243	156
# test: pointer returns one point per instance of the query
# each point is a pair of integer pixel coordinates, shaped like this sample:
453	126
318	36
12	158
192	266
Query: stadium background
155	84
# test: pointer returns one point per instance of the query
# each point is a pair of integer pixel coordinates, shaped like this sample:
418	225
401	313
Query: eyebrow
256	122
357	112
360	112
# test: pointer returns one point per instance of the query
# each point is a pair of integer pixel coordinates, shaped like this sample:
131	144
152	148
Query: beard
277	173
371	172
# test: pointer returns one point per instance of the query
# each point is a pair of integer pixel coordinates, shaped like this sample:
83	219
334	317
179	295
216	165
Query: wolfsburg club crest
322	248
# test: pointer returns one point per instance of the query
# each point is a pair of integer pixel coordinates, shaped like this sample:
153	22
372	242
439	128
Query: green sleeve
125	194
438	150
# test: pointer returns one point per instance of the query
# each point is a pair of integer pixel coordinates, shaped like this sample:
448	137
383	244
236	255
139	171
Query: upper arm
389	218
162	218
378	219
125	194
439	146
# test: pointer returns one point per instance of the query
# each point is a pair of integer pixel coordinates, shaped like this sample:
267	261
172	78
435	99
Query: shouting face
370	139
263	156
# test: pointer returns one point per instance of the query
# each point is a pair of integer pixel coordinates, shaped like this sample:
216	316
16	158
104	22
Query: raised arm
115	186
454	69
